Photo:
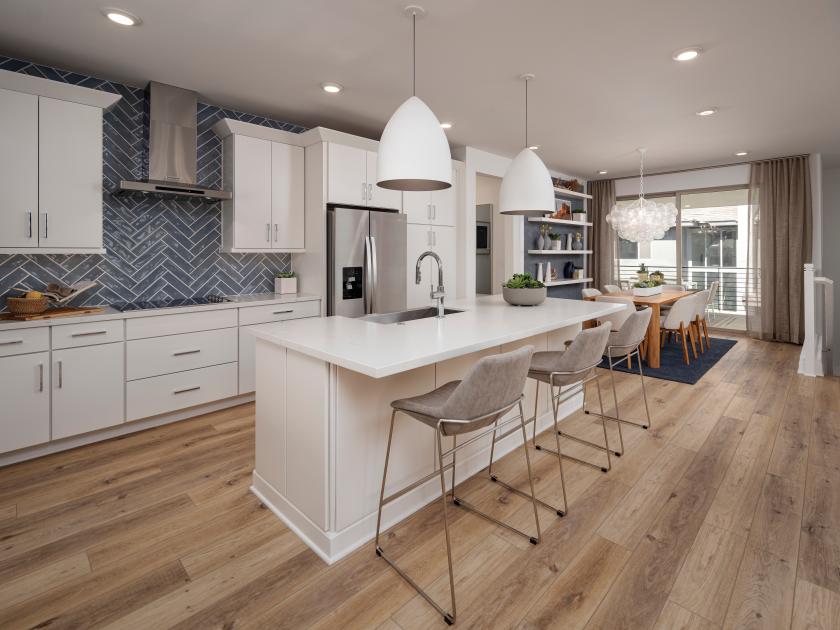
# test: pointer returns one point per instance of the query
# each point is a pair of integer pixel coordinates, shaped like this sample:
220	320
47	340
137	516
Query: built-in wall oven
482	237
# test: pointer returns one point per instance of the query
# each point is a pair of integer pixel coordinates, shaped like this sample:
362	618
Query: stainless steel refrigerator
366	252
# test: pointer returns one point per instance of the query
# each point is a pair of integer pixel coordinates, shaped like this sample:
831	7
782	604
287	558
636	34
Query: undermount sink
410	315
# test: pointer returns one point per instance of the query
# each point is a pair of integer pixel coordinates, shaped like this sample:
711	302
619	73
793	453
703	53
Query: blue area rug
672	366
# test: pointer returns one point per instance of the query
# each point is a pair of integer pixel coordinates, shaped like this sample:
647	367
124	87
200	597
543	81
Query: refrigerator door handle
374	266
368	276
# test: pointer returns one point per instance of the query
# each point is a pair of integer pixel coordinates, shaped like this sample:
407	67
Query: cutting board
62	311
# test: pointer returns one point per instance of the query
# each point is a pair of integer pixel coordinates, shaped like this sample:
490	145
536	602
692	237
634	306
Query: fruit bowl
27	306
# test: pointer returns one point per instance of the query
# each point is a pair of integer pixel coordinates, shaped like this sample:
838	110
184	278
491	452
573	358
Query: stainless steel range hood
171	138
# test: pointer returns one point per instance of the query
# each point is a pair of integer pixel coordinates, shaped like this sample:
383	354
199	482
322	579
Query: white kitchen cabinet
418	240
88	389
437	208
69	175
351	179
444	245
24	390
18	169
267	181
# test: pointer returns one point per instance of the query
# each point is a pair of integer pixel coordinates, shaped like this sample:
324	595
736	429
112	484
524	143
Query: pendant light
526	188
413	151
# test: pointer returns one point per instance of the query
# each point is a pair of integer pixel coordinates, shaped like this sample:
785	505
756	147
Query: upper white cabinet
267	181
50	165
437	208
351	179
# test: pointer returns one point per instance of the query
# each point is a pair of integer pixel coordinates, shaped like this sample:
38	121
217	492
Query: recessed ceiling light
123	18
332	88
741	153
446	125
534	147
707	112
687	54
602	172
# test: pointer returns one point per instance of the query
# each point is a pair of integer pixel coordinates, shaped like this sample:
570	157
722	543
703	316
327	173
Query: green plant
642	268
284	274
578	211
646	284
523	281
554	236
657	275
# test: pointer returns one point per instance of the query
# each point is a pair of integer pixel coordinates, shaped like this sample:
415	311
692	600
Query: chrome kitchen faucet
436	294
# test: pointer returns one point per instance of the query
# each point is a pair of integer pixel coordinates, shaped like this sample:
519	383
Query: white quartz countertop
380	350
236	301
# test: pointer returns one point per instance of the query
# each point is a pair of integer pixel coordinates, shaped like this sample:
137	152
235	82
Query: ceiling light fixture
534	147
123	18
741	153
644	220
413	150
602	172
687	54
446	125
526	188
332	88
707	112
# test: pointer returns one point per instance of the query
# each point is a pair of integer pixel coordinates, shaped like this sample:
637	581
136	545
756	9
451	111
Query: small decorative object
550	272
541	239
540	273
579	214
657	276
577	274
564	211
285	282
647	287
32	303
556	241
642	273
577	244
569	184
523	290
569	270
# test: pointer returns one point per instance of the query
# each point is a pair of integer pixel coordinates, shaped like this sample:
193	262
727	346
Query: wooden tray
61	311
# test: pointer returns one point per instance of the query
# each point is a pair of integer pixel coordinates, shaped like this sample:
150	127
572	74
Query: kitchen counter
323	390
236	301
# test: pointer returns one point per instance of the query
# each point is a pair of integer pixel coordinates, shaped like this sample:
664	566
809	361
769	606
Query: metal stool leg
644	395
384	474
617	414
448	618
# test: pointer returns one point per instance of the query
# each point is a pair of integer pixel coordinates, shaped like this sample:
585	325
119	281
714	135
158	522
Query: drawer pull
11	342
89	333
181	353
60	375
40	377
186	389
291	310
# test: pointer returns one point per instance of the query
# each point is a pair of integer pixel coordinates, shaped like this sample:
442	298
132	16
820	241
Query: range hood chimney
171	138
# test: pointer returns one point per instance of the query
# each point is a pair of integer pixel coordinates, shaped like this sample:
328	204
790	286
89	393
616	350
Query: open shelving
564	192
560	283
559	221
540	252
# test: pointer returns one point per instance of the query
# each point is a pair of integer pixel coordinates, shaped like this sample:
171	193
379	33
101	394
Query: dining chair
713	291
699	323
673	287
678	321
612	288
479	402
589	293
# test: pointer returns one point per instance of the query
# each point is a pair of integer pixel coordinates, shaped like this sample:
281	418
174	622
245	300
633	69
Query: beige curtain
779	245
603	237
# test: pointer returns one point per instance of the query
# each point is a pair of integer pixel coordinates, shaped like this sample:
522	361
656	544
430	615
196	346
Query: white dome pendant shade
526	188
413	151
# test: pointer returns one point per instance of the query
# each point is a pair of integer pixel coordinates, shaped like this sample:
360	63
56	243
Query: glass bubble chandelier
644	220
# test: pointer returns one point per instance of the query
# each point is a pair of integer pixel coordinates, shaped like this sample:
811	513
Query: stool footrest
547	506
573	458
446	616
475	510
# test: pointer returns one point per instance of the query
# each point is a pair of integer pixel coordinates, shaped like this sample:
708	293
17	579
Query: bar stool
491	388
623	344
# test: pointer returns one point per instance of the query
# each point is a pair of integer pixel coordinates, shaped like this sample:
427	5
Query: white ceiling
605	81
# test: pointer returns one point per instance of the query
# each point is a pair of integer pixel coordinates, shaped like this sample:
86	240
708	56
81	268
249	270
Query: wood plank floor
726	514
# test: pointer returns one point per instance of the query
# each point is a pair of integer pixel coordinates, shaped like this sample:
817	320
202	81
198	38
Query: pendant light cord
526	114
414	54
642	176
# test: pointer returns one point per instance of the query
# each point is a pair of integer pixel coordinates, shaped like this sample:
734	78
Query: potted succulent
523	290
579	214
642	272
556	240
657	276
647	287
285	282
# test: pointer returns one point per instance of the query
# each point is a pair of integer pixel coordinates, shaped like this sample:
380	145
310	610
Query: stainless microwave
483	237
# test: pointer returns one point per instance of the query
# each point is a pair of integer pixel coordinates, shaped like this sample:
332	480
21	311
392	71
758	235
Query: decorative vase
540	276
285	285
524	297
642	275
579	216
578	242
557	244
540	242
569	270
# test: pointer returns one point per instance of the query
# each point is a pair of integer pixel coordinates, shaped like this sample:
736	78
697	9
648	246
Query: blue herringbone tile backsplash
155	248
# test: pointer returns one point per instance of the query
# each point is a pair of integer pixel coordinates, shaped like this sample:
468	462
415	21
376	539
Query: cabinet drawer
176	353
75	335
161	394
24	340
278	312
159	325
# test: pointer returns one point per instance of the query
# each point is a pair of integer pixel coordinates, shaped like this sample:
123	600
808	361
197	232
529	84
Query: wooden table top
666	297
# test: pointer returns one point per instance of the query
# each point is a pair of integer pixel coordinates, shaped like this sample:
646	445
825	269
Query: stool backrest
586	349
492	383
589	293
633	331
617	319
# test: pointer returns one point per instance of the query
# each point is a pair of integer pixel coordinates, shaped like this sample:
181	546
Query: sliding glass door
708	244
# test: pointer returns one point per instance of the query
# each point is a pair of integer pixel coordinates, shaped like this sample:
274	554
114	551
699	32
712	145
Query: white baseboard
332	546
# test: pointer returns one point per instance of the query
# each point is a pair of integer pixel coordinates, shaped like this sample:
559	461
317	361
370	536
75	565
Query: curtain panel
603	237
779	245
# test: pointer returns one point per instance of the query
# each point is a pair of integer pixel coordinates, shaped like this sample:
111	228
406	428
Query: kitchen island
324	388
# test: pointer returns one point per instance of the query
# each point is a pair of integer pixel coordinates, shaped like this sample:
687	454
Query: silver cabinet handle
275	232
60	375
429	211
434	211
434	238
29	224
291	310
89	333
268	232
46	224
11	342
181	353
364	191
186	389
429	237
370	192
40	377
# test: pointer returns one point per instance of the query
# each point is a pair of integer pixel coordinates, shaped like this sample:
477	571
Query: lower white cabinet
25	396
88	387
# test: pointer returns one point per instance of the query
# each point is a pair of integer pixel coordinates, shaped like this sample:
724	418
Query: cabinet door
287	212
346	169
24	390
88	389
418	239
252	193
247	360
69	174
18	169
417	207
380	197
444	203
443	244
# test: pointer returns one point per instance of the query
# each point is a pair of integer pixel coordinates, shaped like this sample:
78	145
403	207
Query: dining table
655	303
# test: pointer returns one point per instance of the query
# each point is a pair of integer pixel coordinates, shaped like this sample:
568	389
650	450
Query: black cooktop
170	303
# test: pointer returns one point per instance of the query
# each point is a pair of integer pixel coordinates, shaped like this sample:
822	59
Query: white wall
830	233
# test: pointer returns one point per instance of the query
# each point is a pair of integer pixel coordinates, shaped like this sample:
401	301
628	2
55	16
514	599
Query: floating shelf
540	252
558	221
563	192
560	283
